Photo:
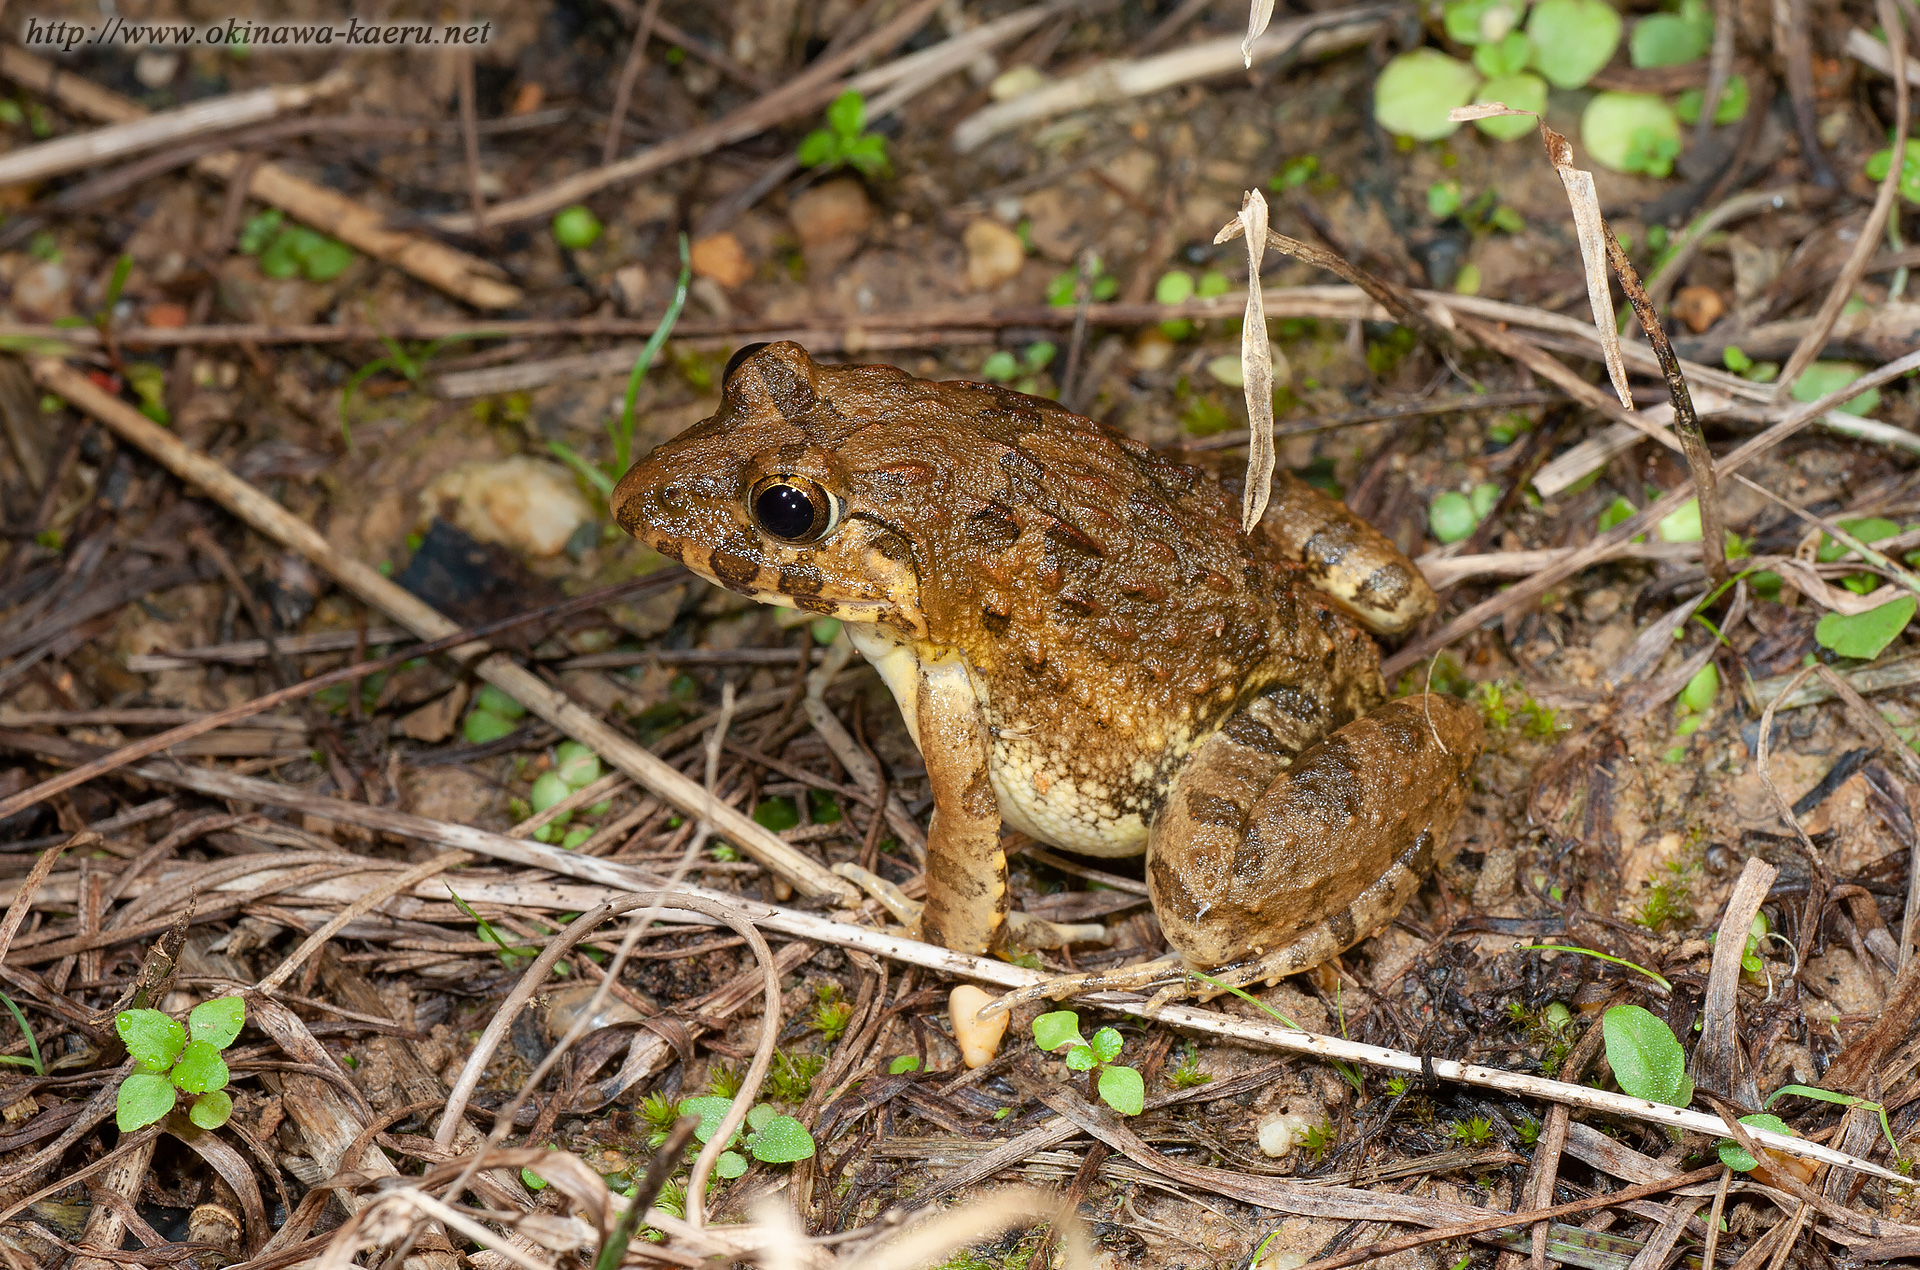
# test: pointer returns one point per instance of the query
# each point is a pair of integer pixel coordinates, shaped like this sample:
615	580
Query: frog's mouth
857	574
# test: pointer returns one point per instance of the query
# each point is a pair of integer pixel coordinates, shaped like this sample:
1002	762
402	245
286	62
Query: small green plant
1735	1156
1316	1140
1396	1086
1827	1095
620	428
1732	107
903	1064
576	228
658	1112
1002	367
1064	291
1294	173
845	141
723	1080
1119	1087
32	1058
284	251
493	715
1864	635
1471	1133
1669	900
512	956
1665	984
771	1138
1527	1129
830	1014
1453	515
1881	161
1187	1072
1631	132
1823	377
1672	39
575	767
1645	1056
790	1079
171	1060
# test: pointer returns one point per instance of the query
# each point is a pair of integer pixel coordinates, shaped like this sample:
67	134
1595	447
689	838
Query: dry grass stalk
215	114
1256	355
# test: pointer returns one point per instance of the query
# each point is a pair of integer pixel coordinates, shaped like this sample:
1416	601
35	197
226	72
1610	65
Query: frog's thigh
1252	857
1347	558
966	869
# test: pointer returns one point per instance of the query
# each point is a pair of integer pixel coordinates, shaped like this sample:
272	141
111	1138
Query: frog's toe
1037	932
1134	978
892	898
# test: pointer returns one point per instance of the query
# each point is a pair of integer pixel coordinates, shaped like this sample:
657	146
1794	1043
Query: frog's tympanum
1087	649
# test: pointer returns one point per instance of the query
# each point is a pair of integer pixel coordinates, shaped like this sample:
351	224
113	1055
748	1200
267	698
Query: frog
1088	649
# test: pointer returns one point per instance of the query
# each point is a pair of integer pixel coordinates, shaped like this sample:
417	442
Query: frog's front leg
967	900
966	904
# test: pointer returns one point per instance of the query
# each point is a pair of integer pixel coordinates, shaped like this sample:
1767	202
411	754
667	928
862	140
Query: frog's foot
1022	928
1135	978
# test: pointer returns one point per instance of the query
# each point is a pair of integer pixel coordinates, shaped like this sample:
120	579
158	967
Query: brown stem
1686	424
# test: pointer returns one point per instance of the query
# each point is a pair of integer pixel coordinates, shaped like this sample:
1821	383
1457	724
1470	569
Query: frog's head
759	499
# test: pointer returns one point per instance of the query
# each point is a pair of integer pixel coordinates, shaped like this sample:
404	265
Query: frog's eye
740	355
793	509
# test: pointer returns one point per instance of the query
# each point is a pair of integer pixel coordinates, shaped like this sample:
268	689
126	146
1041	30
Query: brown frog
1087	649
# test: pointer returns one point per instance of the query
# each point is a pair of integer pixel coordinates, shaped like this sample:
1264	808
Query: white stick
217	114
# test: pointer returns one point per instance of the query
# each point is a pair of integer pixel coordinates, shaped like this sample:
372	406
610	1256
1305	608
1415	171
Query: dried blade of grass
23	898
1686	424
941	1235
1590	229
1259	13
1717	1056
1842	290
1256	354
1400	306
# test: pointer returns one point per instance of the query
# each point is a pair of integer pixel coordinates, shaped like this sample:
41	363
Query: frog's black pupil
784	511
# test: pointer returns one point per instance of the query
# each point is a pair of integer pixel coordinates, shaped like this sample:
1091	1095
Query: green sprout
845	141
1121	1088
33	1058
1187	1072
171	1060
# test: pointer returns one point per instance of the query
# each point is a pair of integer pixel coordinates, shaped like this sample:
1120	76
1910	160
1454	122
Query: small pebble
529	505
829	213
722	258
1281	1132
995	254
979	1039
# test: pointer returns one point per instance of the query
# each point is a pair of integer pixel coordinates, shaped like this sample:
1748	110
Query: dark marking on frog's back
791	394
734	571
800	580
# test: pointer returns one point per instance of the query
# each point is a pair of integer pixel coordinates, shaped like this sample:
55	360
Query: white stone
529	505
1280	1132
978	1038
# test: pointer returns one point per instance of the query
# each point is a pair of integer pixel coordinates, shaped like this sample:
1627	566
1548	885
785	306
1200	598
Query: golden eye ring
793	509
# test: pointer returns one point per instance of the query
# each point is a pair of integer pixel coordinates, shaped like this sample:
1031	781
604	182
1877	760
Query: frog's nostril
672	498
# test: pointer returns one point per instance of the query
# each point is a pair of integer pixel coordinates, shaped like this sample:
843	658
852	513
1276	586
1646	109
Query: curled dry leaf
1256	361
1258	16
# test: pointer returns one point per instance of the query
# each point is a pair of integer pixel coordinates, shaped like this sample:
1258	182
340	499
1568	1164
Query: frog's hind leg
1346	558
1264	864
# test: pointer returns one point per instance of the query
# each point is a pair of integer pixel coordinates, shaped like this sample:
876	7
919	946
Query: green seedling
1416	90
1735	1156
1119	1087
1839	1100
512	956
1187	1072
771	1138
576	228
493	715
903	1064
1475	1132
409	364
845	141
1881	161
171	1060
602	477
1735	359
286	251
32	1058
791	1077
1864	635
1646	1056
831	1014
723	1080
1482	22
1672	39
1294	173
1177	286
1631	132
1572	39
1732	107
1821	378
1002	367
1064	291
1453	515
1669	899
